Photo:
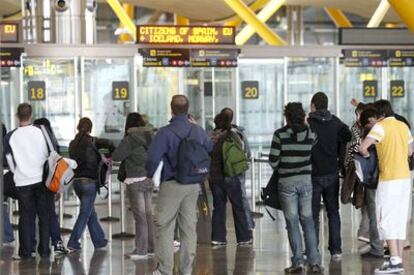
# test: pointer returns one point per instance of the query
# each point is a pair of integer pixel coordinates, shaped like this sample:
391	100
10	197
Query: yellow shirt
393	137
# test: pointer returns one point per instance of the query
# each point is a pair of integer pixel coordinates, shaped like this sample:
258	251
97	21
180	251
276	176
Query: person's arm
207	142
122	151
366	143
275	150
8	153
410	143
344	134
156	151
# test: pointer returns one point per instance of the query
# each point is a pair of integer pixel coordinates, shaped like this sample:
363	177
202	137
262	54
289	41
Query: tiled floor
269	254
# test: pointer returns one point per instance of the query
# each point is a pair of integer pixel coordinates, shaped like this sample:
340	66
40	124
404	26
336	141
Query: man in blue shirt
176	202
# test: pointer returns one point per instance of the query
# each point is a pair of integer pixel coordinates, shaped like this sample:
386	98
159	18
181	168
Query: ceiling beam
339	18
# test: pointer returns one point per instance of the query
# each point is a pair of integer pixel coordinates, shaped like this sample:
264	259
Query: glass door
309	75
261	83
156	87
363	84
400	91
107	91
50	85
9	96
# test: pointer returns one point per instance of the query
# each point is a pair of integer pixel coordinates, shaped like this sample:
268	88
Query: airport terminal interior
104	59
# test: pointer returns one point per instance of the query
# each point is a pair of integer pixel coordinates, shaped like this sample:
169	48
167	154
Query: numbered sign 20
370	88
250	89
36	90
120	90
397	88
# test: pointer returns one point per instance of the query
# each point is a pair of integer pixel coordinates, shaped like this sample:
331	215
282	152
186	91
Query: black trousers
34	201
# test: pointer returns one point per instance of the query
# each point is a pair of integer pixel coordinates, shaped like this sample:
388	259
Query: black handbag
122	172
270	195
9	187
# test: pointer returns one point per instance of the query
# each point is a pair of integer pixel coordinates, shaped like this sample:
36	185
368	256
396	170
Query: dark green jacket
132	151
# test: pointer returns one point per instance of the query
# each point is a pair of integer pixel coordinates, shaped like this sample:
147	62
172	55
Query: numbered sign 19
120	90
250	89
36	90
397	88
370	88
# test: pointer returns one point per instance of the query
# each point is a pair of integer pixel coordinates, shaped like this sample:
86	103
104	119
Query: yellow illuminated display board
9	33
198	35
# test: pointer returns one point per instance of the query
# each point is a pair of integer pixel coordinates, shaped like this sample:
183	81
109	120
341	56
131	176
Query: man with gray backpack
184	149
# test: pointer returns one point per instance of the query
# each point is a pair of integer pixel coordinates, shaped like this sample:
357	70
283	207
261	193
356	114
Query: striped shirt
290	154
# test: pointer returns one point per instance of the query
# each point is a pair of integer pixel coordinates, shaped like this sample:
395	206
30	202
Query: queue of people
308	155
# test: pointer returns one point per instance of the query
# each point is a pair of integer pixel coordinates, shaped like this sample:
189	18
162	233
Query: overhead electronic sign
214	57
9	33
365	58
10	57
401	58
193	35
165	57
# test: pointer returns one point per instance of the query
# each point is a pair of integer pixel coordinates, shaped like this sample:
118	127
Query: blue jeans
230	188
327	187
85	189
8	236
296	202
246	204
54	222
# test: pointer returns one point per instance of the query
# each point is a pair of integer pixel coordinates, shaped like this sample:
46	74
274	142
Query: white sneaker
337	257
156	272
177	243
363	239
136	256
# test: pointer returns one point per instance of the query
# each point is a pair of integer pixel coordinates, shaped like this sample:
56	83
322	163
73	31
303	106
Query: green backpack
234	158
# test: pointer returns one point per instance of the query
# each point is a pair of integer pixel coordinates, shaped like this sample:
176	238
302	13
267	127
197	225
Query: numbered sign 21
120	90
36	90
397	88
370	88
250	89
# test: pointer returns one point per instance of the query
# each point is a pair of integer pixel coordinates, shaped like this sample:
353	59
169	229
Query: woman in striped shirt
290	157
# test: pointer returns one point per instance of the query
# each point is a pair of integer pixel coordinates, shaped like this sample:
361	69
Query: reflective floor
269	254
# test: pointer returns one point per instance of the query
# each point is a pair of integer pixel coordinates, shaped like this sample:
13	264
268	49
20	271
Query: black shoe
370	255
294	269
315	268
388	268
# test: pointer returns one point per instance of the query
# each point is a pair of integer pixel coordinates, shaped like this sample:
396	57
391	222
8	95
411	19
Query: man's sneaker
136	256
388	268
249	242
336	256
315	268
60	249
363	239
156	272
177	243
217	243
294	269
73	250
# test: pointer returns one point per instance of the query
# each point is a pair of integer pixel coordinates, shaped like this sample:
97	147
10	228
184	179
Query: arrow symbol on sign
142	38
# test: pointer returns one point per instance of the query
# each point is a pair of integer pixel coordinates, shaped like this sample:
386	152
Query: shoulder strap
47	138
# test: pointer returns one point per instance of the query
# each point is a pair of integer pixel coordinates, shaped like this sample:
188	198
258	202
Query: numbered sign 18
397	88
36	90
250	89
120	90
370	88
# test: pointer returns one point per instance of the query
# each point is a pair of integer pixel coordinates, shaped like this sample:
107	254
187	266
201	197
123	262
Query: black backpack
193	160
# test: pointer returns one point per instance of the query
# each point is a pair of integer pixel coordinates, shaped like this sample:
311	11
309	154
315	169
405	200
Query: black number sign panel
397	88
36	90
370	88
250	89
120	90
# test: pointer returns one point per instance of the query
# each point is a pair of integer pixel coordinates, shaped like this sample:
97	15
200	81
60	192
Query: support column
405	9
339	18
181	20
379	14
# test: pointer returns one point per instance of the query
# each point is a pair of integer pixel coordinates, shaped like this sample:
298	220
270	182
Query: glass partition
401	92
308	75
9	96
351	82
50	87
106	95
224	89
261	115
156	86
